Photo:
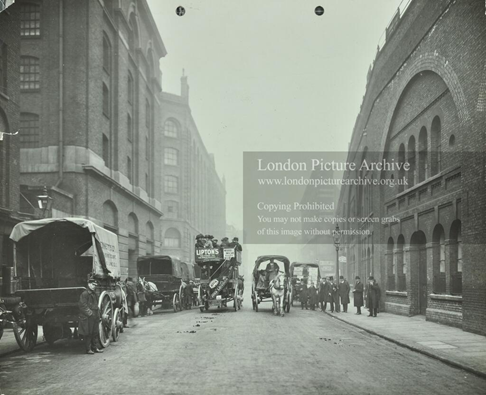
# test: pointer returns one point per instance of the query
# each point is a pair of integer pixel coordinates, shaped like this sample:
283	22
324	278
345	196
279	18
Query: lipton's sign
208	254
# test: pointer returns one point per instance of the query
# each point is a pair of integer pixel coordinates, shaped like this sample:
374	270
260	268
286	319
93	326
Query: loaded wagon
220	282
165	278
53	259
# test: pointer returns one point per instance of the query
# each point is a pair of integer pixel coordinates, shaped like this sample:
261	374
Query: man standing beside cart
89	318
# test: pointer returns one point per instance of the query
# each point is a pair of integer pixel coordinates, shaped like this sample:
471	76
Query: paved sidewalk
451	345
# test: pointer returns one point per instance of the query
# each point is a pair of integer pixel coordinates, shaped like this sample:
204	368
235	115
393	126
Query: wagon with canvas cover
165	278
269	269
53	259
220	281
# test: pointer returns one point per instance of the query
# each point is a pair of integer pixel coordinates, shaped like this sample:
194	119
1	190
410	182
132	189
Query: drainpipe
61	93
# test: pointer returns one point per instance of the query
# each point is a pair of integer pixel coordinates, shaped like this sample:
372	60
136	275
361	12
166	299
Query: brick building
425	104
194	196
92	116
9	124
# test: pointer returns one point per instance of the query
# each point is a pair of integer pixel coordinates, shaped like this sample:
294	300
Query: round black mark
180	11
319	10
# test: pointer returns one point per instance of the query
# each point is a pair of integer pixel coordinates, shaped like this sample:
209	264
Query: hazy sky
270	75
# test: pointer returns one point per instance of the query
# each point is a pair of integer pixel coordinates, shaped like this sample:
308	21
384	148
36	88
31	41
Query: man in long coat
328	294
373	294
358	295
322	293
303	296
312	292
344	289
89	318
335	294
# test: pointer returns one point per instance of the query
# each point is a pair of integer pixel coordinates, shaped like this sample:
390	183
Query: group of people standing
336	293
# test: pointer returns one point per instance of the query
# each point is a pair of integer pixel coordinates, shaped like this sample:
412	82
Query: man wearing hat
373	294
89	318
235	243
358	295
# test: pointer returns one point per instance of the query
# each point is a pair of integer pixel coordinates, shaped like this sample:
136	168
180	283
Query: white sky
270	75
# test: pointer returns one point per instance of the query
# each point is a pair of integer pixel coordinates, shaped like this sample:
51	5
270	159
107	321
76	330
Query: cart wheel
26	334
235	300
206	305
106	319
176	302
1	329
181	298
256	302
117	325
287	305
52	333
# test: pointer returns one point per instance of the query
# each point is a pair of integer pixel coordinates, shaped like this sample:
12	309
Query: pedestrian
328	294
344	289
322	293
373	294
303	295
312	292
89	318
358	295
335	295
188	293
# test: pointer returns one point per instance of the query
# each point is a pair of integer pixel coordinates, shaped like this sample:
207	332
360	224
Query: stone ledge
397	293
452	298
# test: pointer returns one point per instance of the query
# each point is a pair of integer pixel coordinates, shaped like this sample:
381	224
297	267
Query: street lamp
44	201
337	242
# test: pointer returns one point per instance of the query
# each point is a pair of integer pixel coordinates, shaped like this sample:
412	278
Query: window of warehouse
170	129
171	184
29	73
171	156
172	238
29	20
29	130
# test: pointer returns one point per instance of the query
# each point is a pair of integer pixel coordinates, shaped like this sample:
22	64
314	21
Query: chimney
184	87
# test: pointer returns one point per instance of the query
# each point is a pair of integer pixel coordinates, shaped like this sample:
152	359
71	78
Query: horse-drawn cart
164	279
271	283
220	281
53	259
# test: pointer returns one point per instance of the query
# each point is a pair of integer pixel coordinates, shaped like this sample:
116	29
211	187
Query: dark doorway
419	260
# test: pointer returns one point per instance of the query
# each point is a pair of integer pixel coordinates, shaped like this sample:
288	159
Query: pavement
451	345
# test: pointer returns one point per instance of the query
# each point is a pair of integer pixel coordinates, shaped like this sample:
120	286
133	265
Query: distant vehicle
169	275
220	281
303	273
53	259
262	282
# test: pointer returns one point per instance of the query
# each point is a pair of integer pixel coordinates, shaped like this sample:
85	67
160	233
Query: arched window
106	150
172	238
133	39
129	128
106	54
171	128
147	113
436	146
29	130
411	161
132	241
106	101
149	233
456	258
401	267
150	61
390	264
171	184
30	19
171	156
130	88
29	73
110	216
422	167
438	260
401	171
129	169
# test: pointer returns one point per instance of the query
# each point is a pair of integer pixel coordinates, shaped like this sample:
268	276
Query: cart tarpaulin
105	255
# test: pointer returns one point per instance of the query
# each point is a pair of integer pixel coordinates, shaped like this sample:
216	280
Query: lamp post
44	202
337	242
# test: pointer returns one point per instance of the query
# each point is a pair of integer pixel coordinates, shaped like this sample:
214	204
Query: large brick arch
439	65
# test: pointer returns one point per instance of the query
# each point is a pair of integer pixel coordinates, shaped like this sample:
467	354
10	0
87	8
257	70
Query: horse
278	290
148	288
